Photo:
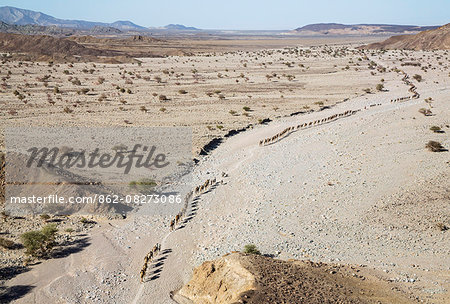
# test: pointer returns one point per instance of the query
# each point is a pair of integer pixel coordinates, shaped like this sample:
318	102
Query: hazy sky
244	14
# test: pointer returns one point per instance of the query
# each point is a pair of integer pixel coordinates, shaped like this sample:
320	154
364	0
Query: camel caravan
197	191
287	131
174	222
180	215
292	129
412	89
148	259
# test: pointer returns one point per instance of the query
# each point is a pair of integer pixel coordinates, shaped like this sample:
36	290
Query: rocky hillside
254	279
45	45
437	39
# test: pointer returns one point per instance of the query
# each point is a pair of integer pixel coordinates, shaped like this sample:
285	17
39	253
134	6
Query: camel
172	224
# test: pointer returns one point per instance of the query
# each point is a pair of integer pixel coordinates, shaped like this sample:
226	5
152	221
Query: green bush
145	185
250	248
38	243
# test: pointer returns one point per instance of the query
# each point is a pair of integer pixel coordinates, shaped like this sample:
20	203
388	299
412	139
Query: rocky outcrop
220	281
255	279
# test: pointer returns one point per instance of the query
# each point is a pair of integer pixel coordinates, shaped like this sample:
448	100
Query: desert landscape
319	172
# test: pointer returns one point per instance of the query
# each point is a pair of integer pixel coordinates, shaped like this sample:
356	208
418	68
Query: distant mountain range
180	27
360	29
17	16
54	30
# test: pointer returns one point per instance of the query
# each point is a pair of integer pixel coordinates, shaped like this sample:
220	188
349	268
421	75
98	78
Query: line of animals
287	131
197	191
148	259
157	248
412	89
180	215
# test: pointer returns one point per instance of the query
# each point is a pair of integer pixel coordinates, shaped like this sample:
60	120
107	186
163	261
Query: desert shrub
232	112
45	217
157	79
368	90
250	248
68	110
83	91
145	185
163	109
182	91
7	244
246	108
100	80
3	214
163	98
290	77
76	81
143	109
69	230
380	87
38	243
434	146
425	112
102	97
442	227
417	77
221	96
436	129
119	147
49	231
